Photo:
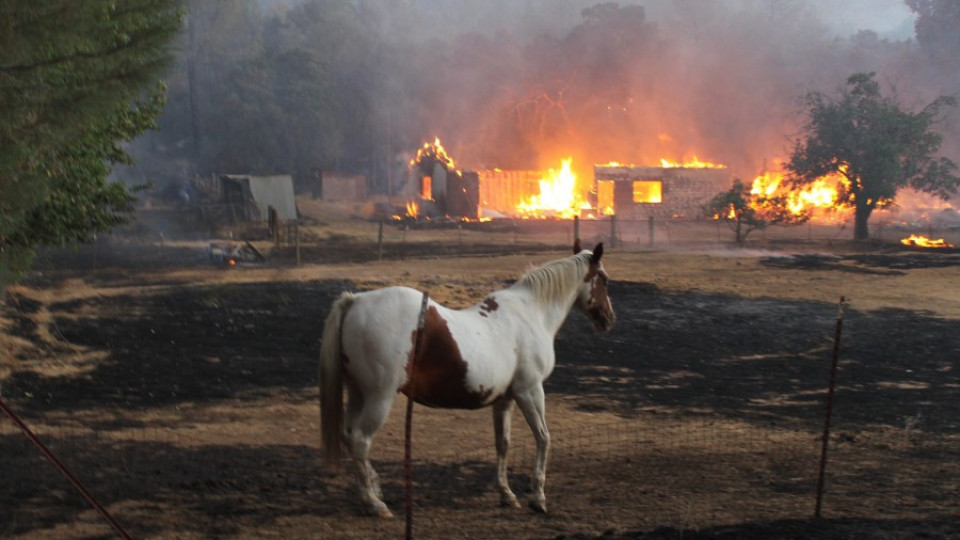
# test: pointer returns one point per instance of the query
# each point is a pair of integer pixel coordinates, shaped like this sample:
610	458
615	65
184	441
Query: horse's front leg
531	403
502	415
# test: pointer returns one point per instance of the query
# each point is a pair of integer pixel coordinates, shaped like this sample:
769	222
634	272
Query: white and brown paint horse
495	353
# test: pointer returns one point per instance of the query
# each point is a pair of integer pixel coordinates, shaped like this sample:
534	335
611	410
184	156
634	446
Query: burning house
633	192
669	191
443	189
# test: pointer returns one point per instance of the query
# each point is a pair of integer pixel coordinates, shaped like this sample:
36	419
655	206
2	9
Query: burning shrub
746	210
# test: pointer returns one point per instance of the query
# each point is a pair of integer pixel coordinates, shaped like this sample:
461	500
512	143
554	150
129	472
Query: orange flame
822	193
434	150
693	163
413	209
923	241
558	196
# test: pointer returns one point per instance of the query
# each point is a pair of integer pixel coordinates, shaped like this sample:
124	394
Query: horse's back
465	359
376	334
382	314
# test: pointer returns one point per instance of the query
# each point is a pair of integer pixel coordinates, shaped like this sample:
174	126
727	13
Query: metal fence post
47	453
829	408
408	424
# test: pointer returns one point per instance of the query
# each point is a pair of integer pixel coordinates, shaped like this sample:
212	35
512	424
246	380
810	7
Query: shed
255	195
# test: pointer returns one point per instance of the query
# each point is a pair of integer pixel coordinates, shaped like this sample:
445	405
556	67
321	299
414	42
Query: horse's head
592	296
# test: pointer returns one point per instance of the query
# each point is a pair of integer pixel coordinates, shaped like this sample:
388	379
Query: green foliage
745	212
938	28
77	79
877	146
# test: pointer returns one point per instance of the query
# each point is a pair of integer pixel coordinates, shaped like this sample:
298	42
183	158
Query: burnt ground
764	361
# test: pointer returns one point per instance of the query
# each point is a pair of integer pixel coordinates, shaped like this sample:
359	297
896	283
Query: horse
495	354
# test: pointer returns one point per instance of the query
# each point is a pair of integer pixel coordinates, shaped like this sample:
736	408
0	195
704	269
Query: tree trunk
860	229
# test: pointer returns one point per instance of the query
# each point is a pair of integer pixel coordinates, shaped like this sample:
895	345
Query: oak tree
875	145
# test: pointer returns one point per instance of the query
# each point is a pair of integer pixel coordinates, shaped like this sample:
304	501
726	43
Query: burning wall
633	192
501	191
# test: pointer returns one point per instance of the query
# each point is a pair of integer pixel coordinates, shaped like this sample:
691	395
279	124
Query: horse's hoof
509	501
383	512
539	506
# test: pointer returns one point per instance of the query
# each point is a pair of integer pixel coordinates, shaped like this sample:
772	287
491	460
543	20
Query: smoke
523	84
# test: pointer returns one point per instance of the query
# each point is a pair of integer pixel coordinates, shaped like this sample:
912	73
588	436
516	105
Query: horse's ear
576	246
597	253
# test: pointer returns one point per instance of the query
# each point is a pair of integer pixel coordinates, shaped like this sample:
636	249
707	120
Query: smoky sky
522	84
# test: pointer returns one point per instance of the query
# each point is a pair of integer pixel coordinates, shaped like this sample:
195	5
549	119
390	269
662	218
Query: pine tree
77	79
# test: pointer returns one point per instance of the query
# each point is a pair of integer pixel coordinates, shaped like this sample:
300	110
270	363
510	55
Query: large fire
559	196
823	193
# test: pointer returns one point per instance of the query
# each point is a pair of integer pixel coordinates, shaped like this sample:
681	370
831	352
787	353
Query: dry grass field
184	393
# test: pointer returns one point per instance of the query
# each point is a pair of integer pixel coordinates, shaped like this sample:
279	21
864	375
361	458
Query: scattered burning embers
413	210
915	240
231	255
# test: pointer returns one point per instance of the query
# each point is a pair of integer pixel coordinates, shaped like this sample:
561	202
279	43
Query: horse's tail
331	382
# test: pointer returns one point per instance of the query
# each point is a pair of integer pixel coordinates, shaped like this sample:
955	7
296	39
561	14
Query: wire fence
363	241
631	474
400	240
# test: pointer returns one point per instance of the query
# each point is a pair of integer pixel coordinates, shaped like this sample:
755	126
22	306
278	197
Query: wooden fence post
296	239
380	242
613	230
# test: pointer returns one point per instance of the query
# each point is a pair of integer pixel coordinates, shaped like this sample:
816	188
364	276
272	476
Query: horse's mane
555	278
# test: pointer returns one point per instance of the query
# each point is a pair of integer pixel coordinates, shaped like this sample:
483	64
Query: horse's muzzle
602	319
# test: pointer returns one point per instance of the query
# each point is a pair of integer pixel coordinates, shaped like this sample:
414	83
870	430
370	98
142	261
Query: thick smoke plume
524	83
722	81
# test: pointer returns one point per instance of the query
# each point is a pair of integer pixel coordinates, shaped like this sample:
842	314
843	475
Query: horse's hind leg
502	412
365	415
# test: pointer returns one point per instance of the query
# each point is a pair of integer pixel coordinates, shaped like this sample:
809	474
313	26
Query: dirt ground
184	394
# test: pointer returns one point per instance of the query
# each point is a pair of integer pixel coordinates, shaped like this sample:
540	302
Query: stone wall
685	191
